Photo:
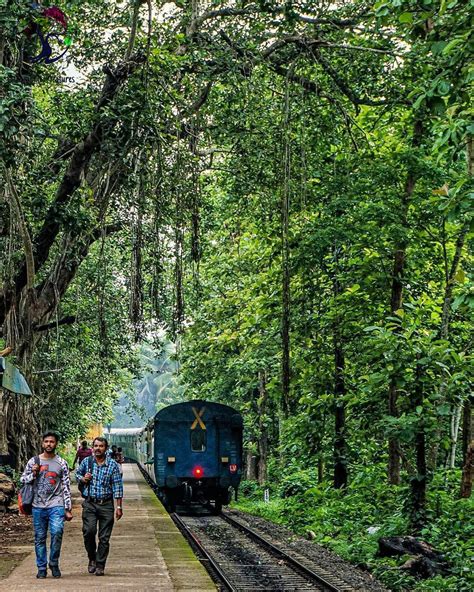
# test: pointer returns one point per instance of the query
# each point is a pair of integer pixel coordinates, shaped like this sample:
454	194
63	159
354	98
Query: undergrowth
351	523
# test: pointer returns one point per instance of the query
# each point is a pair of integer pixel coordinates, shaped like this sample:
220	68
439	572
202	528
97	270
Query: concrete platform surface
147	552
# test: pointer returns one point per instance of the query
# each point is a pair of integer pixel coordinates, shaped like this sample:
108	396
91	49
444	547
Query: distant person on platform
51	502
119	457
82	452
103	485
112	452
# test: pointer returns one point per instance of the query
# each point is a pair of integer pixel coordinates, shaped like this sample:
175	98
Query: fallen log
423	568
427	561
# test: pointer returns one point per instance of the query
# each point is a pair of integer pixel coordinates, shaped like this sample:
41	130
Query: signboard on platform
12	379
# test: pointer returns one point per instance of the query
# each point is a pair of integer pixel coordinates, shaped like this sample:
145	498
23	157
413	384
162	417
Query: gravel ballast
312	553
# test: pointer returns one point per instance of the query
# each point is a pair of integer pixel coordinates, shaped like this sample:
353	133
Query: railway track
242	560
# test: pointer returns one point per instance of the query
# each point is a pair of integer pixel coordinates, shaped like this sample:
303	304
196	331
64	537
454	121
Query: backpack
26	495
82	486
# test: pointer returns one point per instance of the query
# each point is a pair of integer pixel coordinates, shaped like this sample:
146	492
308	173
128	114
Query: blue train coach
193	452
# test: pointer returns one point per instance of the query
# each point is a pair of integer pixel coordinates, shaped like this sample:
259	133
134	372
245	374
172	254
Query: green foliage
351	524
251	490
296	482
266	162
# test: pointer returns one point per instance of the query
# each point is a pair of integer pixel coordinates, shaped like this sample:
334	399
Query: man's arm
117	484
117	489
28	474
66	482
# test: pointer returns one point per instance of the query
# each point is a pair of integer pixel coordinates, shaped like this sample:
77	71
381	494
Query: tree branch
256	9
69	320
76	249
341	84
199	102
80	158
15	202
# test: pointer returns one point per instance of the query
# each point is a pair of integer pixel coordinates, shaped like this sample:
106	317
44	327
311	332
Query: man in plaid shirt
102	483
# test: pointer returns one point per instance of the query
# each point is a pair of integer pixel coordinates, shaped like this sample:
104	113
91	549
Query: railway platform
147	552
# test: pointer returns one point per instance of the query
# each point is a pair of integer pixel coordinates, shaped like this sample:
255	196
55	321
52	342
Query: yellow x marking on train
198	419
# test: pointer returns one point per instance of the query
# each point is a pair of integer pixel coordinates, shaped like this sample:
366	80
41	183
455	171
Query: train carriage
191	450
197	453
126	439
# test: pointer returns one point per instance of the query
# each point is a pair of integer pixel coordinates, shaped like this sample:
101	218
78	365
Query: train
192	451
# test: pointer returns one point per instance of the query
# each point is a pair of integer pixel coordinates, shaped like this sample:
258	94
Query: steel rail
211	565
294	563
208	561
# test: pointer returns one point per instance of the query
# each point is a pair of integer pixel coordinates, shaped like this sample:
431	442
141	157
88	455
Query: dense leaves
284	191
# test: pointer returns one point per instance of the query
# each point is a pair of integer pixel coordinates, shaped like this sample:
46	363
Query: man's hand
36	469
68	515
87	477
118	513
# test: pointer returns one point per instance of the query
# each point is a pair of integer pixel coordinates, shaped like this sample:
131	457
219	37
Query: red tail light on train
198	472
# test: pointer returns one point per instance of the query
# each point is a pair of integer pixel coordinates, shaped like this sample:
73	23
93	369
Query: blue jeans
42	517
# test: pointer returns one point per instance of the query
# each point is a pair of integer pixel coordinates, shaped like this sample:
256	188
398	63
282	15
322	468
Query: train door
203	443
224	447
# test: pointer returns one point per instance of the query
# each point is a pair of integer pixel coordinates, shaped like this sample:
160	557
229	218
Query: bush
297	483
341	522
250	489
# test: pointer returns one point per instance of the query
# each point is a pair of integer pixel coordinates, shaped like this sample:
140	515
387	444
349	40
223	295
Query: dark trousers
101	515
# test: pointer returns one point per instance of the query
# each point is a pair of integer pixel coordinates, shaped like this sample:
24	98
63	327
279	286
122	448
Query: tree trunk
179	231
136	266
22	306
285	256
250	466
24	422
444	334
456	417
23	429
263	428
468	472
320	470
466	428
456	414
3	423
340	445
285	319
453	433
418	481
396	299
467	441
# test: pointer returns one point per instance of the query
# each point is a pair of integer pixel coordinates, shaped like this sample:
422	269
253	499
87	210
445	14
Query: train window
198	440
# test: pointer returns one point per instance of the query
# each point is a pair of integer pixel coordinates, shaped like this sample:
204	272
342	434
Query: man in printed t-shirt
51	502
